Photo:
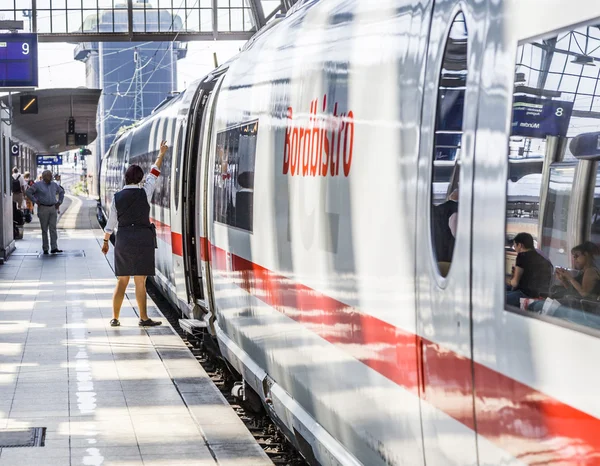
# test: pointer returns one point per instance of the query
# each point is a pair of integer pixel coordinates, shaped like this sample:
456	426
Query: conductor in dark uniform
135	238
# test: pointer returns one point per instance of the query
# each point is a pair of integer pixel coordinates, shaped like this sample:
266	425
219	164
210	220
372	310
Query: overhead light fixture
520	78
584	60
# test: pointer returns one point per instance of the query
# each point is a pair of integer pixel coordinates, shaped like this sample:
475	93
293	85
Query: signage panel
14	148
18	60
29	104
49	159
536	117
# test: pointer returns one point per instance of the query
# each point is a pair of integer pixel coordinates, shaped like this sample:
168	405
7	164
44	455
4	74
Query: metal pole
581	204
10	108
258	13
130	18
34	16
215	19
555	152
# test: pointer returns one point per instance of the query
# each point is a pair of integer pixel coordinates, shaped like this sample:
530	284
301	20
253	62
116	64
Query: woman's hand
163	148
564	276
105	247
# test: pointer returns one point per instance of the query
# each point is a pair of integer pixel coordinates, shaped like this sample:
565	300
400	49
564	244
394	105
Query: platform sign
15	149
18	60
535	117
52	159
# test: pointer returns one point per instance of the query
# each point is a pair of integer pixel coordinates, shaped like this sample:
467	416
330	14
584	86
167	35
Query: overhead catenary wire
118	94
169	47
158	67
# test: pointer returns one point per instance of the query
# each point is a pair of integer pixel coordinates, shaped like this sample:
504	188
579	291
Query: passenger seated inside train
532	273
572	290
244	201
444	222
586	284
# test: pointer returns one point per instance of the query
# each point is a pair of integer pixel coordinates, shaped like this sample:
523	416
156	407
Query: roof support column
258	12
130	18
34	16
215	19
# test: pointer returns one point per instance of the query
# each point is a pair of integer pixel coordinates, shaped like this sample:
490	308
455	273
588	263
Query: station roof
46	131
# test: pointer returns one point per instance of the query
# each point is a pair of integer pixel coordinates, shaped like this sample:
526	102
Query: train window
178	167
233	176
121	152
447	144
141	139
162	193
553	187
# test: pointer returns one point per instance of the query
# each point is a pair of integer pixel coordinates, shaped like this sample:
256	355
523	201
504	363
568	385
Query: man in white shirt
18	188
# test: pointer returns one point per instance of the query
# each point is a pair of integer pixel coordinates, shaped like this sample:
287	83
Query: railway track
267	435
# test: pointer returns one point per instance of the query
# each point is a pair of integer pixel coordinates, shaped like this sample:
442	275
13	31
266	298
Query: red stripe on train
532	426
164	233
177	243
204	249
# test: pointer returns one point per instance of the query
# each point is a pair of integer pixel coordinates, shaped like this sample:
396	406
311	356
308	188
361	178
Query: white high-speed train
296	218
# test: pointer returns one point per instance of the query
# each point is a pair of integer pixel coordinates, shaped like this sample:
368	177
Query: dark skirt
134	251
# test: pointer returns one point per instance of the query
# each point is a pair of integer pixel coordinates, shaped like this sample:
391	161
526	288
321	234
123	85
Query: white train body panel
293	214
306	166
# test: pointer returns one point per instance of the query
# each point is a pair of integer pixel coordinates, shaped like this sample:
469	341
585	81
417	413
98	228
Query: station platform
106	396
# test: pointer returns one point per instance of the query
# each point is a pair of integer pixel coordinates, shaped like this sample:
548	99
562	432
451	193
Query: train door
191	243
204	184
534	361
443	267
176	219
195	249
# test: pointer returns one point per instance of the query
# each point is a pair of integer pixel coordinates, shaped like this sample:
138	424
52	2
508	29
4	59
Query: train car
300	220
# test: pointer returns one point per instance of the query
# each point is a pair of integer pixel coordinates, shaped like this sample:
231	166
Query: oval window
178	169
448	144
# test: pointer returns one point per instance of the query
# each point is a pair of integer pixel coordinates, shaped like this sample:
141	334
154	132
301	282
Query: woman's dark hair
525	239
588	248
134	175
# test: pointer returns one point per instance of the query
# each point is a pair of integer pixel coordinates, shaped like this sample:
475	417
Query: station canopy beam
143	20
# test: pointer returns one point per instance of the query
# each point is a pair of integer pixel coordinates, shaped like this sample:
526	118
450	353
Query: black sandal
115	323
149	323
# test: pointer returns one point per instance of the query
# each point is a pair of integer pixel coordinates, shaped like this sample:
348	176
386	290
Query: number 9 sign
18	59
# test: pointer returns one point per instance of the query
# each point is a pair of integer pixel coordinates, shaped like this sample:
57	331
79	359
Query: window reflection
553	186
448	145
233	176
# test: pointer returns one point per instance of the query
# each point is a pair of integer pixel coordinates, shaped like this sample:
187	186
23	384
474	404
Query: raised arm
150	183
163	150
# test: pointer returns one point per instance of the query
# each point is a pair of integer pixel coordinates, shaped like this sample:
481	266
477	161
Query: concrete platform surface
107	396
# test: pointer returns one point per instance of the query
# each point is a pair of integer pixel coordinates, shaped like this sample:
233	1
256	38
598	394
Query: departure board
18	60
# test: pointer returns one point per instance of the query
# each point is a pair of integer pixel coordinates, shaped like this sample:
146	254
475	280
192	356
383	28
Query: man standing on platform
44	193
18	187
